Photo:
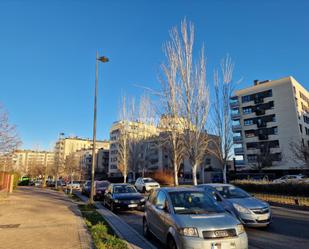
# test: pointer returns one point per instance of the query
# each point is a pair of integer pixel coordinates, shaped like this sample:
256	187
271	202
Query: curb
101	210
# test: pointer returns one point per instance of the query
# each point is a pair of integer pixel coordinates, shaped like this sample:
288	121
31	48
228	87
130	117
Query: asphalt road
289	230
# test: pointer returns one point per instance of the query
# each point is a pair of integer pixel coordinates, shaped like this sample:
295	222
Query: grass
102	234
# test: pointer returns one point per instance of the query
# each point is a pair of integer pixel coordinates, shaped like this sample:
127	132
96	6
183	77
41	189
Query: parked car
146	184
248	209
122	196
74	185
86	188
100	188
290	179
184	218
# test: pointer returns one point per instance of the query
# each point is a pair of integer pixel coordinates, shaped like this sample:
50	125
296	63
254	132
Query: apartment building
22	159
133	130
68	145
151	156
267	118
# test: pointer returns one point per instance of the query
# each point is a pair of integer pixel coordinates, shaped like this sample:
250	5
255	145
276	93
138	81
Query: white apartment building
266	118
22	159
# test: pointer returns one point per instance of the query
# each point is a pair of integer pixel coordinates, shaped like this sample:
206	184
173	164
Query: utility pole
102	59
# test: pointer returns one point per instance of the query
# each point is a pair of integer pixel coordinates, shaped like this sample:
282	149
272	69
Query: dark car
122	196
100	188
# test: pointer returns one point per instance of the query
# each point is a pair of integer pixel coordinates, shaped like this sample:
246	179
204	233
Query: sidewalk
33	218
121	228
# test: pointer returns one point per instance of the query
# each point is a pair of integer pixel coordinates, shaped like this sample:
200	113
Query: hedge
288	189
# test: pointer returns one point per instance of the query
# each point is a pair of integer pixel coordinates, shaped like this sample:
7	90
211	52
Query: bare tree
72	167
300	153
223	89
9	140
123	143
192	93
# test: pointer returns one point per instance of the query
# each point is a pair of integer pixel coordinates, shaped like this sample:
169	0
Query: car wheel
146	231
171	244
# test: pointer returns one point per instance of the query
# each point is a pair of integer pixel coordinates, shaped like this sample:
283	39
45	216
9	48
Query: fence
6	182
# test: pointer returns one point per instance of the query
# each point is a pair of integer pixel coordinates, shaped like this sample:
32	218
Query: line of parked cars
205	216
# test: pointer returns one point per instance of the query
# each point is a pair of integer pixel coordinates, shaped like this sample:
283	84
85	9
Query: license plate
132	205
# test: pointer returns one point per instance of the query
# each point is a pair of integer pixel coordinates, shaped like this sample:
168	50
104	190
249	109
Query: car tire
146	231
171	244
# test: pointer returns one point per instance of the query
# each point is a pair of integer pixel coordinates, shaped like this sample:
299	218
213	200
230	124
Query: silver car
249	210
185	218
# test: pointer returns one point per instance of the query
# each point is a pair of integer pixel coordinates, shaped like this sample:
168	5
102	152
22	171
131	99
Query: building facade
66	146
23	159
267	118
151	156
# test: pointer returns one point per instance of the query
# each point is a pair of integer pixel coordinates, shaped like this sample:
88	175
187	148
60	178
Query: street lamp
104	60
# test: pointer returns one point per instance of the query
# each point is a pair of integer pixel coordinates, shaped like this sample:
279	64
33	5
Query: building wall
23	158
288	116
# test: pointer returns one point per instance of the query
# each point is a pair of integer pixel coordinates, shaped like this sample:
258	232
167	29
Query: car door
159	219
137	184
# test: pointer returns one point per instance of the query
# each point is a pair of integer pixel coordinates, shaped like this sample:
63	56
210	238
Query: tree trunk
175	174
224	173
124	178
194	178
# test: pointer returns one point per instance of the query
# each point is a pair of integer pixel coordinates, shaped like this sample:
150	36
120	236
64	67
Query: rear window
149	180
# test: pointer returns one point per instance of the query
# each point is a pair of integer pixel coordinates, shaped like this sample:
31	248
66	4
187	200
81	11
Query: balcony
234	102
259	112
258	100
239	162
236	128
235	115
261	124
237	139
263	137
238	151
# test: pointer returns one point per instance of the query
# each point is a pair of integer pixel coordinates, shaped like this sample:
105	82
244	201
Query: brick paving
33	218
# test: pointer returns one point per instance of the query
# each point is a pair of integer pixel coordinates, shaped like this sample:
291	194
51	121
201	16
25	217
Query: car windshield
148	180
230	192
102	184
124	189
193	202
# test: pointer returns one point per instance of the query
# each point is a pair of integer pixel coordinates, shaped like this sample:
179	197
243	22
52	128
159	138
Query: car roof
121	184
179	189
218	185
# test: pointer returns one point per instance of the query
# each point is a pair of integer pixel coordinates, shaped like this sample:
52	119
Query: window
301	128
246	98
248	122
252	158
247	110
161	199
250	133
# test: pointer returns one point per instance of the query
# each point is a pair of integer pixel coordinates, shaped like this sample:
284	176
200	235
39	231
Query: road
289	230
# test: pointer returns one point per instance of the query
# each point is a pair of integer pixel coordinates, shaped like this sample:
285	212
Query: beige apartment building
68	145
267	118
22	159
152	157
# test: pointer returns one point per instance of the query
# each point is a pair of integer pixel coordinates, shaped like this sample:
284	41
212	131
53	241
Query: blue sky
47	53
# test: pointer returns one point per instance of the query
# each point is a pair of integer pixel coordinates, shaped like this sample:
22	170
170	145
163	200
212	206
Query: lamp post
102	59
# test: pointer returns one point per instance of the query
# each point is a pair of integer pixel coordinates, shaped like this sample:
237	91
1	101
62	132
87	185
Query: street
289	230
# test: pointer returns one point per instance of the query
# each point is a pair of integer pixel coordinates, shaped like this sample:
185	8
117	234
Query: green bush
103	236
288	189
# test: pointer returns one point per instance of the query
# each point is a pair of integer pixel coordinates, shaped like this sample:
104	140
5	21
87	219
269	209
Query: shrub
165	178
289	189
